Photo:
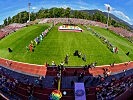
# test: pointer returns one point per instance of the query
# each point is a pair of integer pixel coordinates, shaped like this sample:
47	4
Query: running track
41	70
31	69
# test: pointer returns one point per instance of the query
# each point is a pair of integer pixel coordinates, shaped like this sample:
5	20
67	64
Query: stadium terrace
31	70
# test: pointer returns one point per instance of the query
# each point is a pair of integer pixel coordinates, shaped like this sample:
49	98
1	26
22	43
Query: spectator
72	83
79	54
58	75
62	65
75	72
58	68
53	63
9	63
82	75
66	59
86	81
84	58
9	50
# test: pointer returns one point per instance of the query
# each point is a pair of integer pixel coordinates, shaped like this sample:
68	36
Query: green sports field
57	44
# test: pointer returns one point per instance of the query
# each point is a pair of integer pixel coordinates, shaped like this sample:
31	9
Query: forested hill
111	15
97	15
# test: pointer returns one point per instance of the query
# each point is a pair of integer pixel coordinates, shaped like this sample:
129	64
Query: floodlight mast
29	4
108	17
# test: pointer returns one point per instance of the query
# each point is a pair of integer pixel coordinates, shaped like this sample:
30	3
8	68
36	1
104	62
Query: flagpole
29	4
108	17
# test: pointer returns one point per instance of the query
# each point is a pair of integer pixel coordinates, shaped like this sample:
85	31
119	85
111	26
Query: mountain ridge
91	12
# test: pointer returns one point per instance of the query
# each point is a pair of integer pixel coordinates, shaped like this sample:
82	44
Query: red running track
41	70
98	70
32	69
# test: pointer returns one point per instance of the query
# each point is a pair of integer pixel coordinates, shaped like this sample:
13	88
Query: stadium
65	58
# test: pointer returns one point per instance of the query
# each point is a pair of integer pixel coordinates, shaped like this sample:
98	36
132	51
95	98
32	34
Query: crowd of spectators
110	90
9	29
73	21
122	32
34	88
16	85
15	26
7	85
106	90
117	30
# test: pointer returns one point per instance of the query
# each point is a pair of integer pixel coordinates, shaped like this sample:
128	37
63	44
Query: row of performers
36	41
115	50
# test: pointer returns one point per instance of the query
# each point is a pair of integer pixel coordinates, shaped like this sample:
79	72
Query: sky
120	8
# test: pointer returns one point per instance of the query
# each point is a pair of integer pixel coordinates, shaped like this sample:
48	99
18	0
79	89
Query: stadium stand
15	26
117	30
19	85
10	28
23	81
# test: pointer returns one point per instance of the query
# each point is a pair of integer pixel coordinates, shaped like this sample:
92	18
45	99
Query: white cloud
34	8
64	6
99	9
121	14
107	5
118	13
84	8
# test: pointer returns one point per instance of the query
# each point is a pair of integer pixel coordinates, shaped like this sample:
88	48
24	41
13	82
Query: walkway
41	70
98	70
30	69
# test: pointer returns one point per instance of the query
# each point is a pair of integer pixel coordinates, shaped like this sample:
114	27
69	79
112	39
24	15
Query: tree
22	17
67	12
41	13
5	22
33	16
9	20
25	17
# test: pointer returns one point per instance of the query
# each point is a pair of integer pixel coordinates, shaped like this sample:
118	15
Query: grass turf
123	44
57	44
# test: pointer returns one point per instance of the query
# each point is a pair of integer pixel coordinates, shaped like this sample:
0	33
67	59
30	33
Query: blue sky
121	8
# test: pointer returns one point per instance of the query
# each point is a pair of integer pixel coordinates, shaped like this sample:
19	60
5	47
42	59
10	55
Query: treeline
23	17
